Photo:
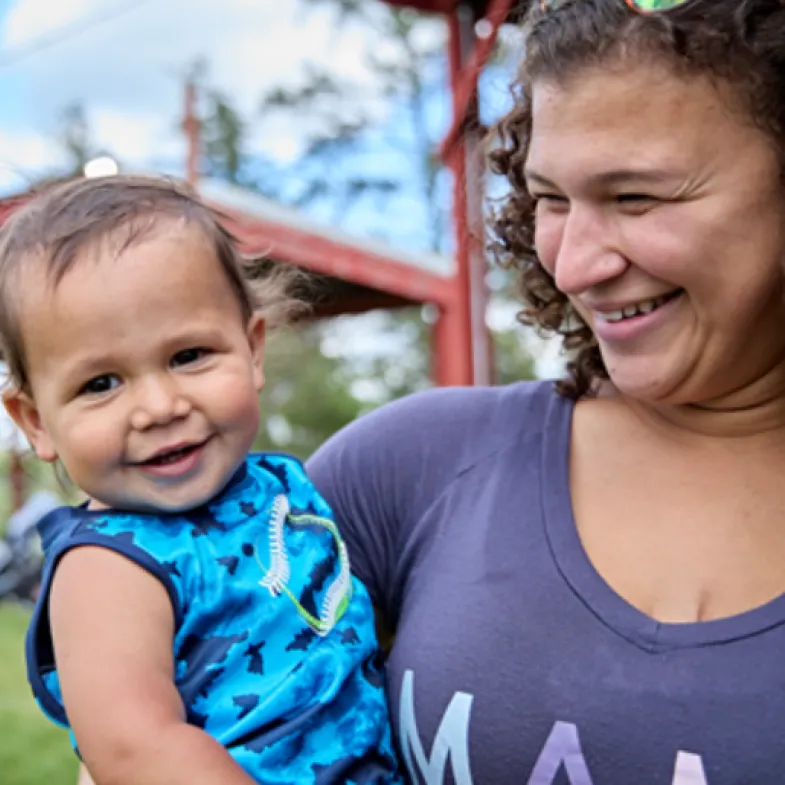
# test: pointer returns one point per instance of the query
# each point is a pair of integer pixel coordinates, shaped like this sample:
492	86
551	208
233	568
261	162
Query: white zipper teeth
279	571
338	590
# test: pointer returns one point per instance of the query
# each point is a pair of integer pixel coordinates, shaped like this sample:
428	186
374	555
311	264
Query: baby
198	622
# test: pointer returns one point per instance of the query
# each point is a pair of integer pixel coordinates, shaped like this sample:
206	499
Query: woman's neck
754	414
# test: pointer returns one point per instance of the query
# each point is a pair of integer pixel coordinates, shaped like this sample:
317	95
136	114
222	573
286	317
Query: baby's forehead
81	251
112	244
47	275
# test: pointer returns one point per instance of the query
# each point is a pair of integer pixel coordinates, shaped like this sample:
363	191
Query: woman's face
661	214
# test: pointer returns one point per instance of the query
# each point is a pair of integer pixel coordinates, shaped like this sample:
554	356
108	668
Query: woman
586	586
586	581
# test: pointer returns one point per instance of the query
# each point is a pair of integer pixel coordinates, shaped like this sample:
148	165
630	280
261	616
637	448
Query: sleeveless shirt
275	651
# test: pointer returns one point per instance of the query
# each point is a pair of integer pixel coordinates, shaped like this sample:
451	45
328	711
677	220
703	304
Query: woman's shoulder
527	392
428	438
383	472
507	411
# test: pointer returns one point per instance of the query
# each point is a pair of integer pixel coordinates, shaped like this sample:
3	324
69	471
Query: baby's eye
188	356
100	384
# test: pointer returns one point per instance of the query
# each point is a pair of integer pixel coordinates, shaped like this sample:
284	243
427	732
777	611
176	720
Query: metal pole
191	127
469	194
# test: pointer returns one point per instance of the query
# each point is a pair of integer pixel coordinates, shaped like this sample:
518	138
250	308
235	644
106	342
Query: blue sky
11	87
128	72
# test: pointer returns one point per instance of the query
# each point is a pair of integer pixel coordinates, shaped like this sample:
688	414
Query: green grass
33	751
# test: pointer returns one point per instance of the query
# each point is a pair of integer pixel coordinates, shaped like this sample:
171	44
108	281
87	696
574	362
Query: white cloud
138	140
24	156
128	70
26	26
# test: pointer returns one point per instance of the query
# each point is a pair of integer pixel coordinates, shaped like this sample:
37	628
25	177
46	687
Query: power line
67	32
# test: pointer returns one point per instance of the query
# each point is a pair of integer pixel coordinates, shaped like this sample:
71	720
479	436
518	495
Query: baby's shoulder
285	475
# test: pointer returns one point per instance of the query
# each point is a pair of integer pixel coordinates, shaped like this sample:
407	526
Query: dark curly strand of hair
737	44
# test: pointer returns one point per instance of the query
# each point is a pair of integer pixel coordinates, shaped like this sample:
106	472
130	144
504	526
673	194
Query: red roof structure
359	275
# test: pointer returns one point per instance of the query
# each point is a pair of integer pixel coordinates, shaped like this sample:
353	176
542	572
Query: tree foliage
307	396
75	138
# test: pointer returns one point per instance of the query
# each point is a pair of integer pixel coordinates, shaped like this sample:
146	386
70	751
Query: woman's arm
84	777
112	628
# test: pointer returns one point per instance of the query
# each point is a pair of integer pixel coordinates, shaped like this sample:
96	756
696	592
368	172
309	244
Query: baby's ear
23	411
256	339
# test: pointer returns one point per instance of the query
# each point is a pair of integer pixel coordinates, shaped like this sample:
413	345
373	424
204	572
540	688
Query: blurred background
345	137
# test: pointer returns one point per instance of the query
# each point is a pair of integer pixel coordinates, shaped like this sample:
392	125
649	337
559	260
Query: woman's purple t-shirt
515	663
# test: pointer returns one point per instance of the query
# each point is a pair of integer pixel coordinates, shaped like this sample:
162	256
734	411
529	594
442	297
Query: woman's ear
23	411
257	332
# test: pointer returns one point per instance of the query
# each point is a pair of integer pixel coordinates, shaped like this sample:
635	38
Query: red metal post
474	59
16	476
191	126
465	160
450	359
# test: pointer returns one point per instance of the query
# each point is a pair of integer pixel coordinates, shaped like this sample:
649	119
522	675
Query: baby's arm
112	628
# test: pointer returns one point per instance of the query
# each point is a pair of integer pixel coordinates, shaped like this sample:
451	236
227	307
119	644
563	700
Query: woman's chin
650	384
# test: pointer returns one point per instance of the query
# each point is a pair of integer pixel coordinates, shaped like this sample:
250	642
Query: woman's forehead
642	117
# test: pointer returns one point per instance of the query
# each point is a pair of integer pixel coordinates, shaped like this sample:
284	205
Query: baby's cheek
93	444
234	401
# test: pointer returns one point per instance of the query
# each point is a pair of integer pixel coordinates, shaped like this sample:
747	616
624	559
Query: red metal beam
465	88
355	304
322	255
10	205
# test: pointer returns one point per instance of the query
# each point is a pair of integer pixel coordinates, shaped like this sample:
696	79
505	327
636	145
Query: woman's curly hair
738	44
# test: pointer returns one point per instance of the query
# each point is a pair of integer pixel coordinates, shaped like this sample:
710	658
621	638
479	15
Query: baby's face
145	379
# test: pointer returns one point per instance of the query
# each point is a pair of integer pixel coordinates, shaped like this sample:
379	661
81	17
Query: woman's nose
586	255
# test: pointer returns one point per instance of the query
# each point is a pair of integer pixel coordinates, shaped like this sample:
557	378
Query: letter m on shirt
451	740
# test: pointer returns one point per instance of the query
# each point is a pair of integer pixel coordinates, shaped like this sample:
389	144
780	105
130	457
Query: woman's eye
633	198
100	384
188	356
550	198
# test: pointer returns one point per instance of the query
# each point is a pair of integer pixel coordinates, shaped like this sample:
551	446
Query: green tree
307	395
75	138
223	136
403	77
514	362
